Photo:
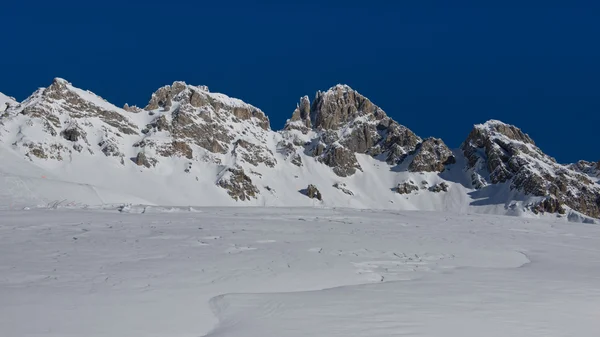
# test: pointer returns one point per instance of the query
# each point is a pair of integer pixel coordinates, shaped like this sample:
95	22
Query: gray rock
343	116
441	187
142	160
507	154
71	134
342	160
342	187
313	193
406	187
238	185
432	156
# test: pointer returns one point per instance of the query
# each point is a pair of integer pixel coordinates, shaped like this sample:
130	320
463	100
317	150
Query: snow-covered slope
189	146
294	272
6	101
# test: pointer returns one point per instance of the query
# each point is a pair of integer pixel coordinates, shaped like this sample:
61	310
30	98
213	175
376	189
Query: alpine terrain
117	222
189	146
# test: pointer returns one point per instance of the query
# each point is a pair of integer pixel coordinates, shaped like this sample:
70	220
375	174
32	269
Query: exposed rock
133	108
342	160
142	160
301	117
441	187
71	134
339	105
288	150
238	185
432	156
207	120
176	148
506	154
406	187
38	152
313	193
550	205
342	187
254	154
200	97
110	148
344	123
590	168
70	101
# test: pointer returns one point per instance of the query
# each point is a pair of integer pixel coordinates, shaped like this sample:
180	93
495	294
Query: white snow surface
254	272
6	99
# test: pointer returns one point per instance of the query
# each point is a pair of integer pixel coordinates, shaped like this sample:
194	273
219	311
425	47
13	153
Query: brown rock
432	156
238	185
406	187
313	193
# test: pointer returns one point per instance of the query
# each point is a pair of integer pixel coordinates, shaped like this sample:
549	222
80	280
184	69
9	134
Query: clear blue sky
434	67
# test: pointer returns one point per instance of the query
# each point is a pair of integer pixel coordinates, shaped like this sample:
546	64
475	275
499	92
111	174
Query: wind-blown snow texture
189	146
152	271
93	245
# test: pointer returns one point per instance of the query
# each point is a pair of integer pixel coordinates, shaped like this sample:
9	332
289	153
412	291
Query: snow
6	99
294	272
88	177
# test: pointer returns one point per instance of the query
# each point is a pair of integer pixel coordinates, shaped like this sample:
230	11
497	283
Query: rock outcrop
406	187
441	187
505	154
313	193
343	122
432	155
342	187
212	122
590	168
341	136
238	185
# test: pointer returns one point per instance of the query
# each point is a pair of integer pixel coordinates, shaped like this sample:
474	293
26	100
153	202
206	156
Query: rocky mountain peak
339	105
184	98
495	128
344	122
590	168
501	153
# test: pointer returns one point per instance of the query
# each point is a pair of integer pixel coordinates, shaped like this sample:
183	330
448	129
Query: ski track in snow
294	272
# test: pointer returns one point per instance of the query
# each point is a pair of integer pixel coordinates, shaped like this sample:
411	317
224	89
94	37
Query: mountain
190	146
6	102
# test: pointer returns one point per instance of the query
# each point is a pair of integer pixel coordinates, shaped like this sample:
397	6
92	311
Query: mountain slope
189	146
6	101
500	153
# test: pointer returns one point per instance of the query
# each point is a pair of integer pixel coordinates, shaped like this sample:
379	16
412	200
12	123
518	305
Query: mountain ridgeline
189	146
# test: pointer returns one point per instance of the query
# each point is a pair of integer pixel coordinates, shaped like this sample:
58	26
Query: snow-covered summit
6	101
496	128
501	153
195	147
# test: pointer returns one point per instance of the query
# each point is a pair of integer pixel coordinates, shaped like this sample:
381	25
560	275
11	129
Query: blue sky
434	67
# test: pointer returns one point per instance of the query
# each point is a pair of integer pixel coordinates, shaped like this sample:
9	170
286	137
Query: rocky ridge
341	123
499	153
232	144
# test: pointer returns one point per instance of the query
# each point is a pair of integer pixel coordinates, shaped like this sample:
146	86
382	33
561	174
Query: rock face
188	134
341	122
210	121
313	193
407	187
441	187
506	155
342	187
142	160
61	118
590	168
432	156
238	185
